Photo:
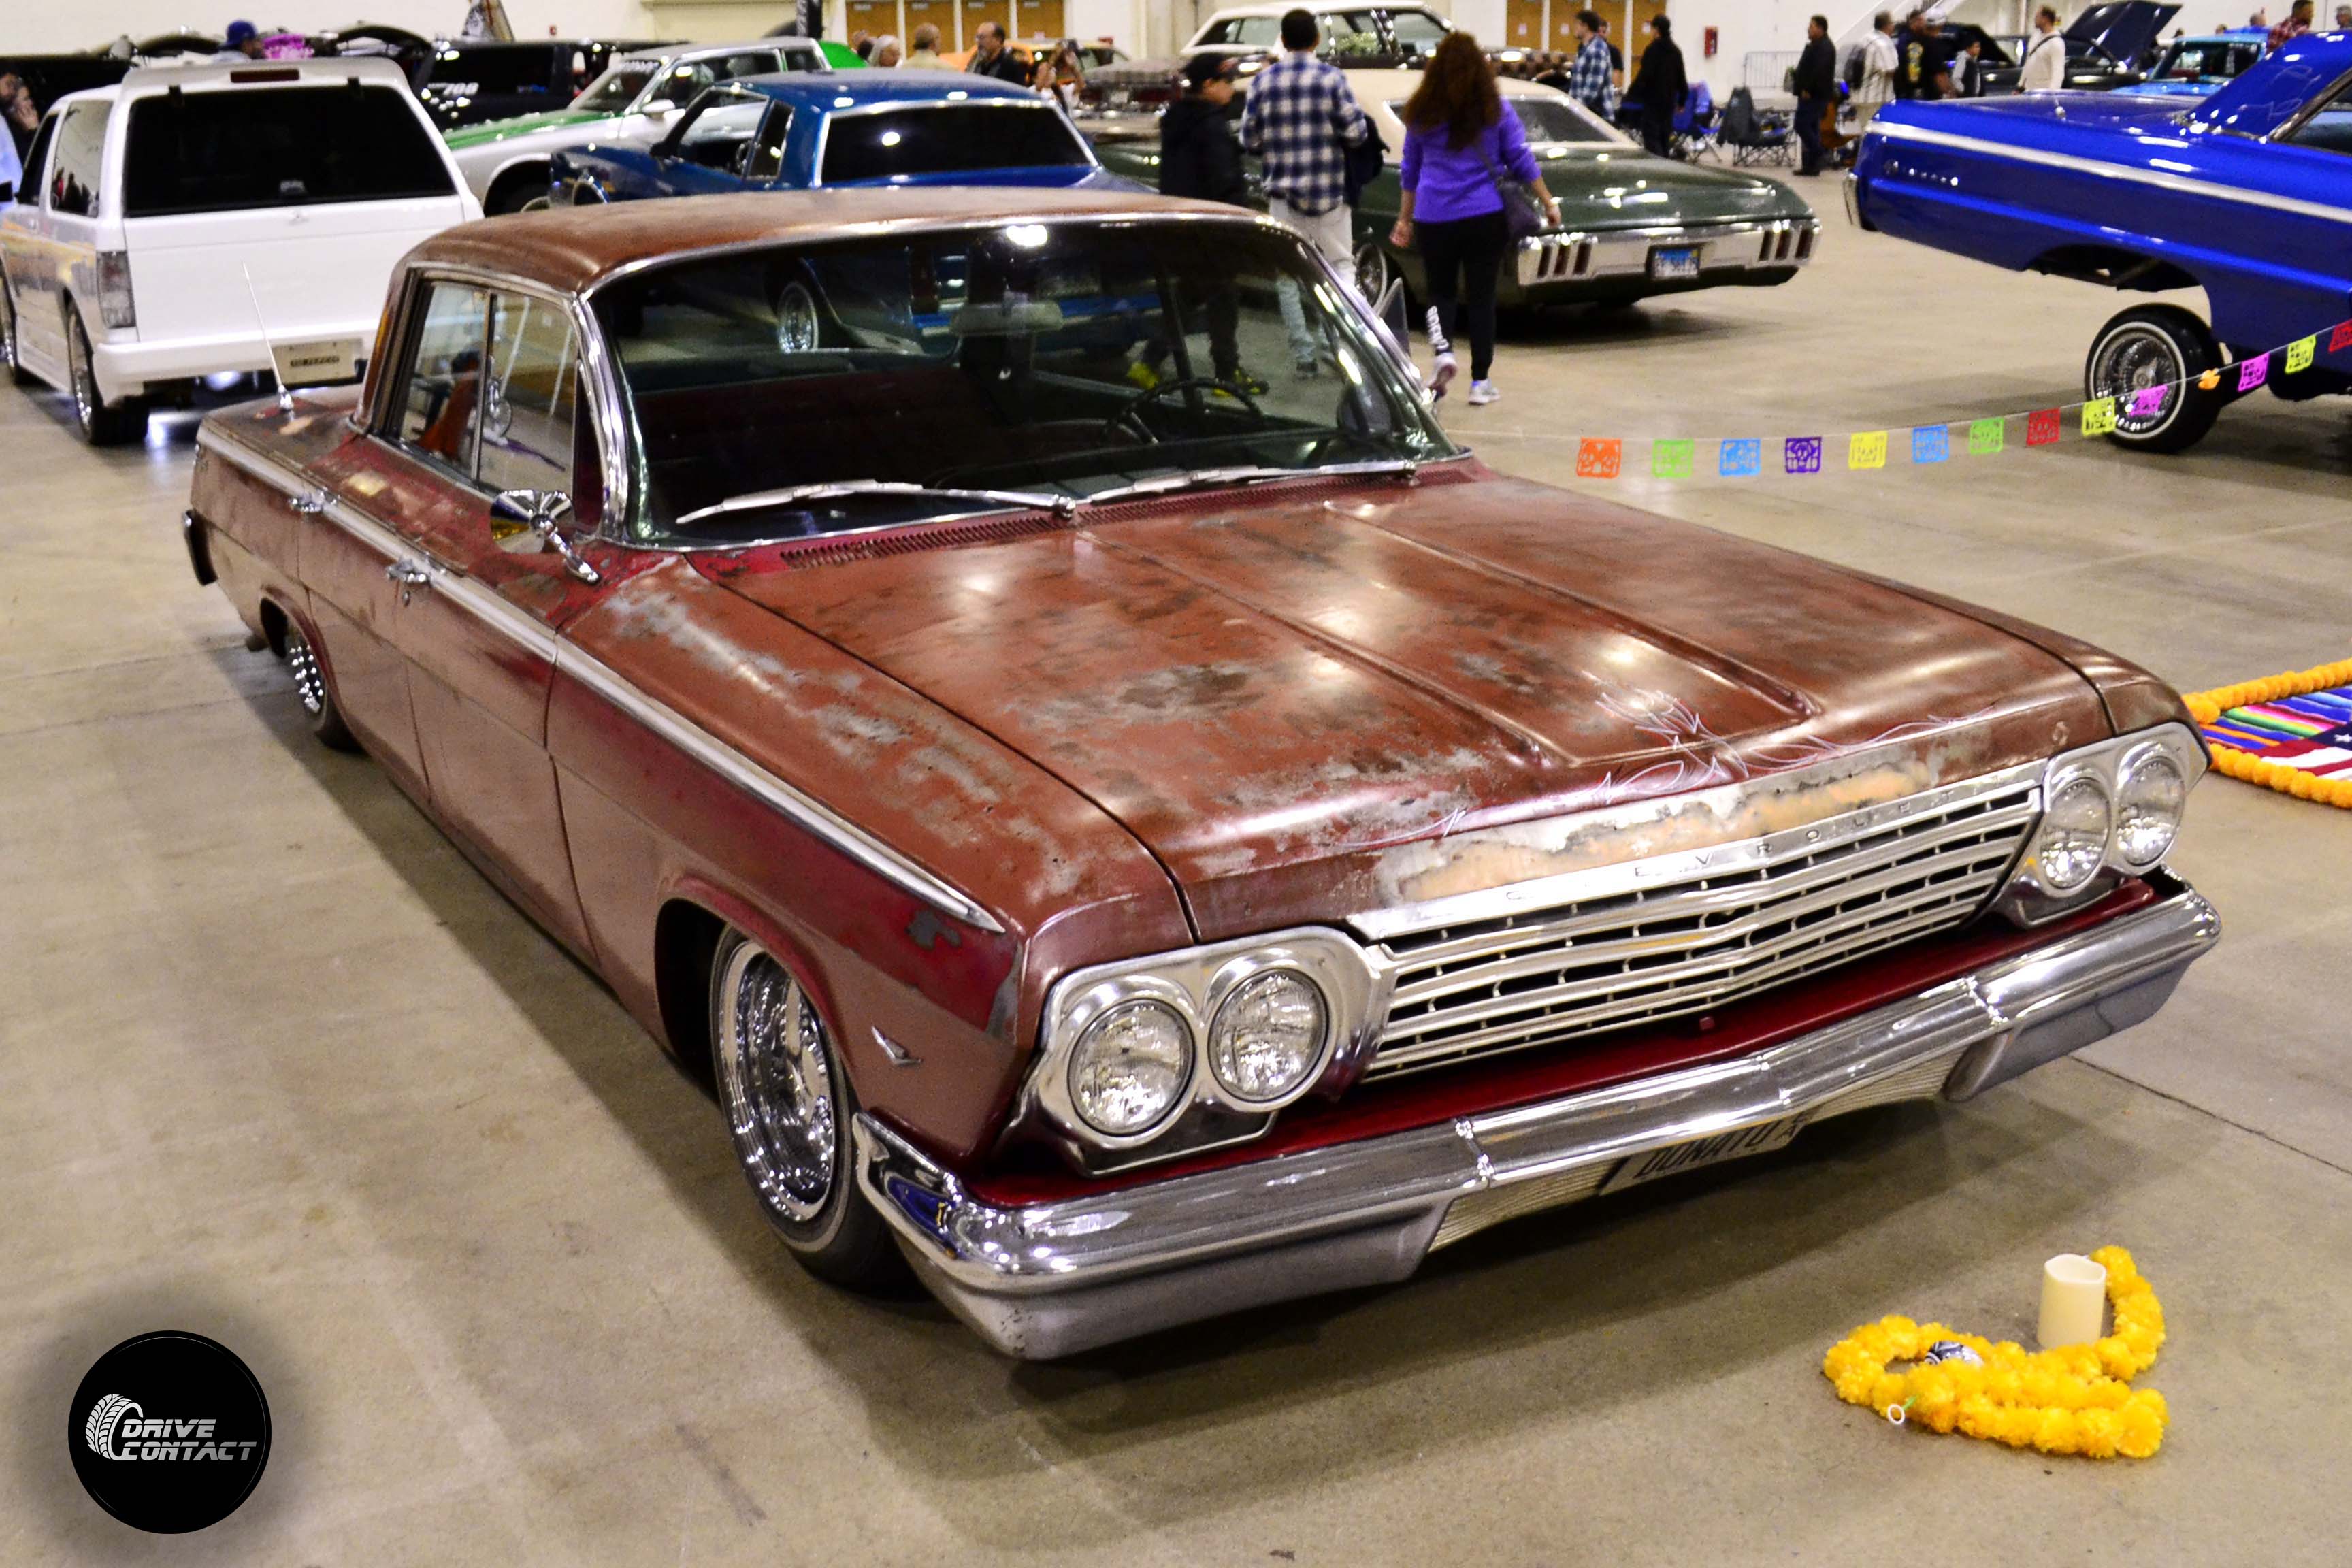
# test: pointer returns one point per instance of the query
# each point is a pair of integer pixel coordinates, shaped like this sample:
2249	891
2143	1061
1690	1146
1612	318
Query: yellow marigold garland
2207	706
2076	1399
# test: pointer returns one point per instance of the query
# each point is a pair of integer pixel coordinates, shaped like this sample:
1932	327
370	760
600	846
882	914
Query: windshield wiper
761	501
1247	473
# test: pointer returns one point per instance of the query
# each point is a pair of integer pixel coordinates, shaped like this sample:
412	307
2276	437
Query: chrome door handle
310	503
409	574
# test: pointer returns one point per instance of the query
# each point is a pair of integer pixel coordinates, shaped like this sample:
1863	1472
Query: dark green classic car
1631	225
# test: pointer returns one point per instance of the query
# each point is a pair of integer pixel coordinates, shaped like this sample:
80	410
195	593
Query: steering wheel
1131	413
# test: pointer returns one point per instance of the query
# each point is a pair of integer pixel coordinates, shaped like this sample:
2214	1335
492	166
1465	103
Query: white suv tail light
115	304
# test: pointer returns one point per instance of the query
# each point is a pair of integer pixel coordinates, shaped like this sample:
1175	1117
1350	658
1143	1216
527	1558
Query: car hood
1600	185
521	125
2122	27
1349	697
1998	117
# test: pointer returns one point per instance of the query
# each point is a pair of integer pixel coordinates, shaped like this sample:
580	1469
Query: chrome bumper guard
1051	1280
1575	256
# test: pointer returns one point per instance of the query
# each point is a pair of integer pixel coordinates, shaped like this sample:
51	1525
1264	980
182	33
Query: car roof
706	51
571	249
147	80
856	89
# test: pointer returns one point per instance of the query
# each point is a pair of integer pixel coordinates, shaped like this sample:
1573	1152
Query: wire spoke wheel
776	1077
798	329
2149	359
2129	363
1371	271
87	402
309	682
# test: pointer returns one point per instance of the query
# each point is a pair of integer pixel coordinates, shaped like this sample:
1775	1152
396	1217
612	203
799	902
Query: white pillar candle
2073	1300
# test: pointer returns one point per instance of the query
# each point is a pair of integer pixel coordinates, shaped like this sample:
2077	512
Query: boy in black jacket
1200	158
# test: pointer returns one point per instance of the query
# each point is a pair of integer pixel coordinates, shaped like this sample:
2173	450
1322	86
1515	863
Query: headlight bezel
1231	981
2126	768
2028	897
1196	983
1099	1010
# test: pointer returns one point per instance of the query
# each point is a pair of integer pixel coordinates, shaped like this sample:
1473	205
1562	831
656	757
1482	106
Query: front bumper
1051	1280
1567	262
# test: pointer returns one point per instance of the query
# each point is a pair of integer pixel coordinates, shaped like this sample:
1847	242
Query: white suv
193	221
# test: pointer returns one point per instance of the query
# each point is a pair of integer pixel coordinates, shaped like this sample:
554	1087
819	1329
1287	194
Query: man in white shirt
1879	63
2045	55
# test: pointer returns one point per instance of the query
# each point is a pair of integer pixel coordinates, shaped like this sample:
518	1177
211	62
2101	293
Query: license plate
1679	262
315	364
1676	1158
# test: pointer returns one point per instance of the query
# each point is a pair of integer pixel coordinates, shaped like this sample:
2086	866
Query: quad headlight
2109	810
1205	1042
1129	1068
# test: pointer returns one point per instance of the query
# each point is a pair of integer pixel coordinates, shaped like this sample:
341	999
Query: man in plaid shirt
1588	77
1300	121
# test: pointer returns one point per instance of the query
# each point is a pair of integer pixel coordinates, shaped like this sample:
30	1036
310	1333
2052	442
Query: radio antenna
277	365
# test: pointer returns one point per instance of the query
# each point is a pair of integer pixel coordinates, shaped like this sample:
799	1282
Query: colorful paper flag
2251	373
2099	417
1801	455
2210	380
2341	338
1743	459
2299	354
2147	401
1671	460
1931	443
1866	449
1598	459
1985	437
2042	426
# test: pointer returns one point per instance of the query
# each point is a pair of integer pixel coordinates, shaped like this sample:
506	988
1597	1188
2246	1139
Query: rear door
67	274
278	209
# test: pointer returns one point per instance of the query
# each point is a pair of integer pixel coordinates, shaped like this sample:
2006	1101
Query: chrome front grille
1700	936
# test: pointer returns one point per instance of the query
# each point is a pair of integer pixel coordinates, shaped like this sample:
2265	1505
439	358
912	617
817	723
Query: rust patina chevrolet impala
1133	819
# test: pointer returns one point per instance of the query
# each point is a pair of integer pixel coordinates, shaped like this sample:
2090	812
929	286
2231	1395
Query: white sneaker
1442	375
1483	392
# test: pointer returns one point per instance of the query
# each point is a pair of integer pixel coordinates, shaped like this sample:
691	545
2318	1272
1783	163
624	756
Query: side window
2329	129
798	58
733	65
35	160
767	158
719	131
526	417
686	78
442	398
80	160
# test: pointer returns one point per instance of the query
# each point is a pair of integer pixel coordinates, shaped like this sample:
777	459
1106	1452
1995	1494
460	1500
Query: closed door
1523	25
875	17
1039	19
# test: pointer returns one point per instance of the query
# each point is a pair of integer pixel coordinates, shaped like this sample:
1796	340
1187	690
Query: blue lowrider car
2246	194
800	131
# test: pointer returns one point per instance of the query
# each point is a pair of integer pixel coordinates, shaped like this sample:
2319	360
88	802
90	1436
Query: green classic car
1631	225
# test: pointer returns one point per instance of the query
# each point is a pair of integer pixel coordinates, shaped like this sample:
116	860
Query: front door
486	402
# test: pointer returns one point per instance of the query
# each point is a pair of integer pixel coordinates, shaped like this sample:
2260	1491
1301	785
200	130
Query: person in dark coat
1660	86
990	56
1201	157
1816	92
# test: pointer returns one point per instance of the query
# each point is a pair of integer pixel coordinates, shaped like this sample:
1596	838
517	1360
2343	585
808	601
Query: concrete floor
278	1067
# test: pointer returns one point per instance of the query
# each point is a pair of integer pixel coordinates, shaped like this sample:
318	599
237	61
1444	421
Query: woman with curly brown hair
1461	142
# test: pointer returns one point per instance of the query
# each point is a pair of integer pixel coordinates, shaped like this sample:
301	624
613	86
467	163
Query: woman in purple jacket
1460	139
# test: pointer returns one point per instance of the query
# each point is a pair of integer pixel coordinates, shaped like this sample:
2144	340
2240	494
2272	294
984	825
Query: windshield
613	92
2194	59
947	138
1067	360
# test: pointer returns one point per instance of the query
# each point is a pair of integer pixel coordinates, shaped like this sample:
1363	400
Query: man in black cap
1199	157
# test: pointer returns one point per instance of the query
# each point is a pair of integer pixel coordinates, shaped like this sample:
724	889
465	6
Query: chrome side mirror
538	513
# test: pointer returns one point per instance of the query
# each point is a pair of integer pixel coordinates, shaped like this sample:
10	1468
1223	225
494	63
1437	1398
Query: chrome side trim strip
1048	1279
2178	183
600	678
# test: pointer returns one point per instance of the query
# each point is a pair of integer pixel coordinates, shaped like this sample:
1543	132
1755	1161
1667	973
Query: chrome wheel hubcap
85	384
309	684
1371	272
796	322
2132	361
7	329
775	1069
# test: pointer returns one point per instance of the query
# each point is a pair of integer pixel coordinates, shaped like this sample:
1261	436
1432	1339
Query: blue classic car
2196	68
798	132
2247	194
